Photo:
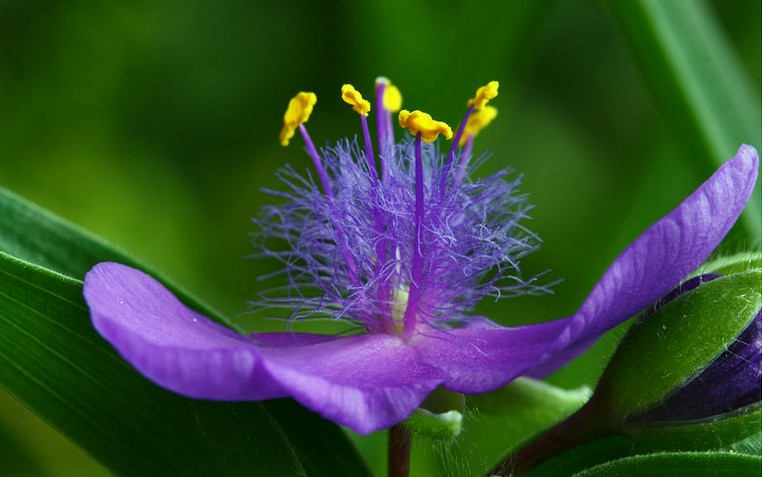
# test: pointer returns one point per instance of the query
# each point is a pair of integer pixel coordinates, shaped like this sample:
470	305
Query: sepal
677	346
440	416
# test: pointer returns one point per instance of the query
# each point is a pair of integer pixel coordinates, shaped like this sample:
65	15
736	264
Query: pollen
421	123
478	121
483	95
298	112
353	97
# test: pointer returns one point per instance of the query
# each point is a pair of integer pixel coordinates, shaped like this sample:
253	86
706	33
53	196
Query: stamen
416	273
451	153
392	103
478	121
478	103
465	156
392	98
351	96
297	113
316	161
421	124
388	101
483	95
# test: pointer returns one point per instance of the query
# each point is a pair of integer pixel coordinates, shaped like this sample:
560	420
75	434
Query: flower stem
400	440
584	426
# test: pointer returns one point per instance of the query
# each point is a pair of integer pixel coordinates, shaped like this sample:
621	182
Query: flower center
393	236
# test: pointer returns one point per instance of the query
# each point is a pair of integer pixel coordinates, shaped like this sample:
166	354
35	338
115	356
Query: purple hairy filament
397	242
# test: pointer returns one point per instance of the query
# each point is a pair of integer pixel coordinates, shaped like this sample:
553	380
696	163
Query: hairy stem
400	440
582	427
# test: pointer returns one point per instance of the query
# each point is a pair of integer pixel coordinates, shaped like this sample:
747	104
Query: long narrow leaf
58	365
679	464
53	361
699	81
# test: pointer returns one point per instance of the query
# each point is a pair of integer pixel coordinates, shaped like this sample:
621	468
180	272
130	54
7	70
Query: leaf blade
698	80
44	322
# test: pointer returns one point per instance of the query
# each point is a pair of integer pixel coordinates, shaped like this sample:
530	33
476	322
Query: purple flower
402	245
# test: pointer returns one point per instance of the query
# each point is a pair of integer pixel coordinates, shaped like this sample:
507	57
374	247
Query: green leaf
616	456
34	235
722	432
699	80
668	348
53	361
56	363
15	459
583	457
687	464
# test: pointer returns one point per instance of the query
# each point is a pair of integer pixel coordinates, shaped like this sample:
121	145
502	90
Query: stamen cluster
414	244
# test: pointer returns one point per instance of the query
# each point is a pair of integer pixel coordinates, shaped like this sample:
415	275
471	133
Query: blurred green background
154	125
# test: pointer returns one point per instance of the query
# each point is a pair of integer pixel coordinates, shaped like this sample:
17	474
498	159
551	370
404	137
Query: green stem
400	440
582	427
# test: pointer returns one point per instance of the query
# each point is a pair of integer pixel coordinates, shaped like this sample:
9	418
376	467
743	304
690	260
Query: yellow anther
298	112
351	96
421	123
478	121
483	95
392	96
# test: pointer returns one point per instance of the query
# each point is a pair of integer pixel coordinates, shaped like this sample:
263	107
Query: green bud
670	348
686	377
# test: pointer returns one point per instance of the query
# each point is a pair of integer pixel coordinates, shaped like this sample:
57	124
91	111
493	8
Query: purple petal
366	382
286	340
483	358
547	366
662	256
580	346
171	344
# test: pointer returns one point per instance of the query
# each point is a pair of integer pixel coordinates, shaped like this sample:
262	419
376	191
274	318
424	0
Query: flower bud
689	358
687	375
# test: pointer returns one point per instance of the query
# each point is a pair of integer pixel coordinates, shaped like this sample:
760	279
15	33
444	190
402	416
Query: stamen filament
383	291
451	153
465	156
459	134
318	163
383	124
353	97
388	101
323	176
369	156
416	273
478	121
